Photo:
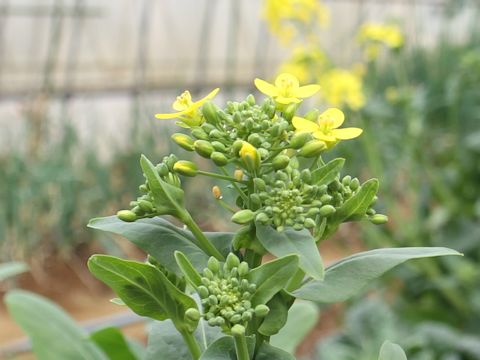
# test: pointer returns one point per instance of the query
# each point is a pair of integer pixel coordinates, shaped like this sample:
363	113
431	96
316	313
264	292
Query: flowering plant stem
218	176
241	348
192	345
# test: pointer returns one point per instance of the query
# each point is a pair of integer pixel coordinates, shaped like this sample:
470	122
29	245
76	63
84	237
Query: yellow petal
183	101
321	136
211	95
333	115
287	100
172	115
347	133
304	124
266	88
307	91
286	79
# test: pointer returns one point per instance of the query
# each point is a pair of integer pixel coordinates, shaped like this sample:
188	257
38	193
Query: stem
204	243
192	345
218	176
241	347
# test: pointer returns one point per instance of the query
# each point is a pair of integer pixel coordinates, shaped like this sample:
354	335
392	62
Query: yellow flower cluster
306	63
373	36
342	87
286	89
284	16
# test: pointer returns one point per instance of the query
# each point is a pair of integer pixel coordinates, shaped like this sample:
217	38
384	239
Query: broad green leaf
327	173
224	349
302	318
161	239
113	343
168	199
350	275
143	288
12	268
54	334
272	277
277	317
166	343
269	352
288	242
188	270
358	203
391	351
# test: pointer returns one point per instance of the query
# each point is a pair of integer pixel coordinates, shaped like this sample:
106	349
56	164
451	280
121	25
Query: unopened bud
238	175
379	219
203	148
237	145
354	184
209	111
237	330
185	168
327	210
312	148
250	156
213	264
262	218
192	314
261	310
289	112
217	193
259	184
232	261
127	215
162	169
199	134
184	141
243	216
235	319
280	162
243	269
145	206
299	139
218	158
203	291
250	100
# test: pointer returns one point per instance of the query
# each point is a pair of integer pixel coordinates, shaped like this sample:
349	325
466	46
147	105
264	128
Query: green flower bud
213	265
208	128
203	148
243	216
327	210
198	133
259	184
243	269
309	223
232	261
325	198
203	291
261	310
162	169
218	158
238	330
208	273
312	212
127	215
371	212
346	180
297	226
312	148
218	146
143	188
212	299
312	115
247	316
250	100
379	219
185	168
262	218
306	176
192	314
219	321
255	139
184	141
354	184
235	319
299	139
289	112
237	145
280	162
209	112
146	206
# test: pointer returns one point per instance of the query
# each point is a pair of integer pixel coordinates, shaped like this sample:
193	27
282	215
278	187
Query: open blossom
326	128
286	89
187	109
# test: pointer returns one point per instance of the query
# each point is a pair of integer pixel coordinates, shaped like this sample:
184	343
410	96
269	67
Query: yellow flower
187	109
305	63
343	87
326	128
287	89
374	35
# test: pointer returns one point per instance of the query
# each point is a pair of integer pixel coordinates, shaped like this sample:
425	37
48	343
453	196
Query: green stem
204	243
241	347
218	176
192	345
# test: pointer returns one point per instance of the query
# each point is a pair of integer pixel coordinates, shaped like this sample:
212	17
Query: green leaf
277	317
54	335
327	173
143	288
12	268
288	242
113	343
302	318
168	199
224	349
391	351
188	270
359	203
350	275
166	343
161	239
272	277
269	352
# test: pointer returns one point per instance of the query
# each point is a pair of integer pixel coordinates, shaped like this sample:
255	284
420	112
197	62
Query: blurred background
81	80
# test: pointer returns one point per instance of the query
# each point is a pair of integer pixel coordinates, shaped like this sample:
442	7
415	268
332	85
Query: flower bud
143	188
218	146
162	169
289	111
185	168
235	319
203	148
262	218
354	184
203	291
213	264
250	100
255	139
312	115
309	223
127	215
312	148
261	310
237	145
299	139
306	176
218	158
259	184
199	134
237	330
247	316
379	219
238	174
250	156
184	141
232	261
280	162
192	314
217	193
212	299
209	111
243	269
327	210
145	206
243	216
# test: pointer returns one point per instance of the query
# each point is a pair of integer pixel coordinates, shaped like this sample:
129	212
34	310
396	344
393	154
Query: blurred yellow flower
305	63
287	89
187	109
373	36
284	15
326	128
343	87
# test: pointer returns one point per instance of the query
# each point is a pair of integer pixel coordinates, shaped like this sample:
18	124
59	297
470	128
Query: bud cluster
144	206
226	294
